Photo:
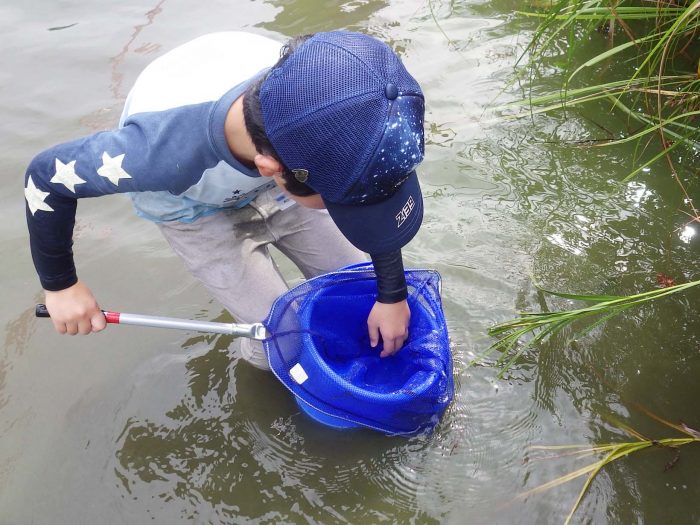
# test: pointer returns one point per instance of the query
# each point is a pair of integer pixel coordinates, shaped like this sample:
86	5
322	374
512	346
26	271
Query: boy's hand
75	310
391	322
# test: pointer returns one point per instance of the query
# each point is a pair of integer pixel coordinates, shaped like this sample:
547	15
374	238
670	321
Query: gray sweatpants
228	252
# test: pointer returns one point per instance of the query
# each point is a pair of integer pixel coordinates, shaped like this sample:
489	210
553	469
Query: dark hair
255	124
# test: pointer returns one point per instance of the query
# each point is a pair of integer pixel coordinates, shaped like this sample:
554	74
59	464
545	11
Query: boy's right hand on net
75	310
390	321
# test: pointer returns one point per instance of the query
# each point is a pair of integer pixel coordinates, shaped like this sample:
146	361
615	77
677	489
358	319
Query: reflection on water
687	234
133	423
105	118
119	91
237	443
299	17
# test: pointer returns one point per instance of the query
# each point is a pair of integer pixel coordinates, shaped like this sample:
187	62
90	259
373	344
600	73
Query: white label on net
298	373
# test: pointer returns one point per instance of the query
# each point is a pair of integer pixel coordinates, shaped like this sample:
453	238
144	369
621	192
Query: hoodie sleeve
164	151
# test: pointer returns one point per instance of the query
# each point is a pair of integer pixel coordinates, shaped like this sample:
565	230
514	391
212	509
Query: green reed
611	452
652	53
537	327
648	81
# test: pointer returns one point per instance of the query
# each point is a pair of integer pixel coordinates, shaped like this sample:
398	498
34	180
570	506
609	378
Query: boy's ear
267	166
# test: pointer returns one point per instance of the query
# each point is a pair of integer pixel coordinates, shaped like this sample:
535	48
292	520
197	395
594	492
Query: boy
228	155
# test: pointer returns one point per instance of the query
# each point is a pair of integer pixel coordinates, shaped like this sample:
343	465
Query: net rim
318	404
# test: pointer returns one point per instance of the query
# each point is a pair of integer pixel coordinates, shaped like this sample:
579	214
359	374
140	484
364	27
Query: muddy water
135	425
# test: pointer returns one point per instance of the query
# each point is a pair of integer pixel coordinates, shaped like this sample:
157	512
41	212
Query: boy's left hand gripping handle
42	311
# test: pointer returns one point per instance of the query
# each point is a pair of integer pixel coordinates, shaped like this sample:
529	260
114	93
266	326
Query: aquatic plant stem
543	325
614	452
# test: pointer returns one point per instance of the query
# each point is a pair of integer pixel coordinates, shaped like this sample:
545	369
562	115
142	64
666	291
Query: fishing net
319	348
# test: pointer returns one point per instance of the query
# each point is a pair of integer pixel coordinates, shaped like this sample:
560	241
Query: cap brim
384	226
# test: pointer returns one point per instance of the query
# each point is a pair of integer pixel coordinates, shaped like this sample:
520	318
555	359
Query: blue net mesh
319	349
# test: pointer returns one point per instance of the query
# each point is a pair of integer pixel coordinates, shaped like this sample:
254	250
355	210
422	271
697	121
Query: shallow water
134	424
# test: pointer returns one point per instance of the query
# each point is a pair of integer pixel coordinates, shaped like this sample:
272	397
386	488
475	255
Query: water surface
135	425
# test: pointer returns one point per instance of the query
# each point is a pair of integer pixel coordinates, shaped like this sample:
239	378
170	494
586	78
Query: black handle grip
41	311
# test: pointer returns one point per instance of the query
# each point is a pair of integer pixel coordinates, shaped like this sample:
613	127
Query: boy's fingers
373	335
98	322
392	346
84	327
60	327
389	347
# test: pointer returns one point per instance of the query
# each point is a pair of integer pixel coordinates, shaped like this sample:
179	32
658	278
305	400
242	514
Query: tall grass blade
543	325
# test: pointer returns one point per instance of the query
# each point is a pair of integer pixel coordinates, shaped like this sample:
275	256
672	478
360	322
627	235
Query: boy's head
345	118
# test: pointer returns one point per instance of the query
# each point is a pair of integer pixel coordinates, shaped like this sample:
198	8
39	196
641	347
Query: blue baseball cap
346	118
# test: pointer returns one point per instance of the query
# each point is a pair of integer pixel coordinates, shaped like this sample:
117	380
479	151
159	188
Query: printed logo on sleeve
405	211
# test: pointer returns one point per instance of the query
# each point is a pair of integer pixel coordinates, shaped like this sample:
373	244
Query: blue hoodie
169	152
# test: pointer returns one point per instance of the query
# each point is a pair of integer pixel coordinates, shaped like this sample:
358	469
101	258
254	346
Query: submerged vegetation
648	71
543	325
611	452
645	68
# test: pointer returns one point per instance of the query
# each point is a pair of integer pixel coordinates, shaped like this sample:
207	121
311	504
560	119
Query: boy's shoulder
201	70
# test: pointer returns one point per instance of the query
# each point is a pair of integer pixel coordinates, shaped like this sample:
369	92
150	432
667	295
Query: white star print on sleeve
66	175
111	168
35	197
